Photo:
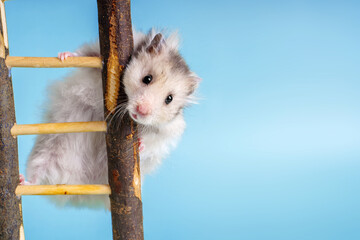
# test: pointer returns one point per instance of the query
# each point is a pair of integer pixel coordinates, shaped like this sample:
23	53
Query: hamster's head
157	81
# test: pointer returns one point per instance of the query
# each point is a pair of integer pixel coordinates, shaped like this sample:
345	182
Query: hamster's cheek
132	91
163	117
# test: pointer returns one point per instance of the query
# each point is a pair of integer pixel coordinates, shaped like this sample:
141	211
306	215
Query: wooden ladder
124	187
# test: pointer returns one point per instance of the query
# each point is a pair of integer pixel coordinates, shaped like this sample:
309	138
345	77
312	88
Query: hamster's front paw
141	145
22	180
64	55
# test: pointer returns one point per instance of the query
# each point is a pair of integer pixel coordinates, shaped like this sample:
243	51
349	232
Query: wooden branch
10	204
53	128
53	62
116	45
62	189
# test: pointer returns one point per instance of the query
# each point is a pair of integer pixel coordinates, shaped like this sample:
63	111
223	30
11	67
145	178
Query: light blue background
272	150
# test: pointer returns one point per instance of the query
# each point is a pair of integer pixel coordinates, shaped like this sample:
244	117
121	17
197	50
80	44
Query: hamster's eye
147	79
168	99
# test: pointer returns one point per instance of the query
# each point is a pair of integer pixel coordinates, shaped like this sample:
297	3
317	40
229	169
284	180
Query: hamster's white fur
80	158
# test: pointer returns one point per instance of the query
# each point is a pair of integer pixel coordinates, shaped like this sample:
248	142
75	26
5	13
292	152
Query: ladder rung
53	62
53	128
63	189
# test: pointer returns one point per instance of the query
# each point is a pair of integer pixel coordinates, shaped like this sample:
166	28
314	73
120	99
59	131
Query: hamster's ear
191	97
195	81
173	41
156	44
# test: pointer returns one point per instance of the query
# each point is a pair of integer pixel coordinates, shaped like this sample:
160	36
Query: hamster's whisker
115	109
112	111
119	108
120	115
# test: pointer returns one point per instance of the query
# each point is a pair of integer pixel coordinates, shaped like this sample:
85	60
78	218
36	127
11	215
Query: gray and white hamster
158	84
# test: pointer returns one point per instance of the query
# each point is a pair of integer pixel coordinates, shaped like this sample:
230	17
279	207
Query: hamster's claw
141	145
64	55
22	180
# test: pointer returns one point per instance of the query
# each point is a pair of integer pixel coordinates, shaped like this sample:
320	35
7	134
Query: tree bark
10	205
116	45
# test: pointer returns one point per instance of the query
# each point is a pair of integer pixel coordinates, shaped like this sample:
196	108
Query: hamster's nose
143	109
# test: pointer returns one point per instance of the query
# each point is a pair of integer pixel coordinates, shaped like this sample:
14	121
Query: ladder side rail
10	205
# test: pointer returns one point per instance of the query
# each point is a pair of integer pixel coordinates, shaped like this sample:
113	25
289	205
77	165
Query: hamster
158	84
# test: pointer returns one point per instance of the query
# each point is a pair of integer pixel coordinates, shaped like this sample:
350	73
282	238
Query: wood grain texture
62	189
53	128
10	215
53	62
116	44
